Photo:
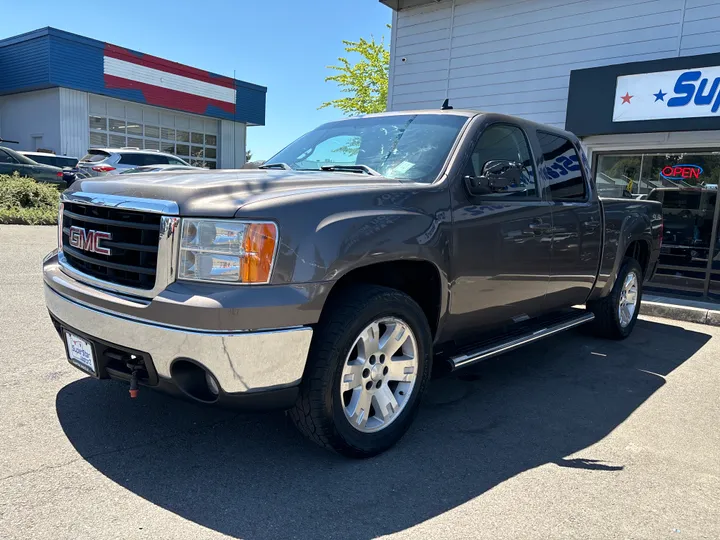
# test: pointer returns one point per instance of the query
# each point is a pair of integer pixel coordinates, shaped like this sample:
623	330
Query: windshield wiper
351	168
283	166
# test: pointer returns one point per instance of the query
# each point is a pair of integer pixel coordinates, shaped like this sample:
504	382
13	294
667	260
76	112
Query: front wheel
368	365
617	313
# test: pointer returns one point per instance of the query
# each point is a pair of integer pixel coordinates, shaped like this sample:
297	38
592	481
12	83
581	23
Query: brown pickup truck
334	279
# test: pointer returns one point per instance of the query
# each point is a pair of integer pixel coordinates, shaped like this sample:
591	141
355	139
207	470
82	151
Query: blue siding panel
53	58
24	66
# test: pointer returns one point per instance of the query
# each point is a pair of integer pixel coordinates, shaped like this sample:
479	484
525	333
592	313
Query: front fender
344	241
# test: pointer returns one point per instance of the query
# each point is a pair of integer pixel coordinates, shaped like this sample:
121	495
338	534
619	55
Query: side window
6	158
562	168
137	160
174	161
151	159
505	142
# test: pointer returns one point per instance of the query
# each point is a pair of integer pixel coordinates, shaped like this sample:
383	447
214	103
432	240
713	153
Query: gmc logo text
89	240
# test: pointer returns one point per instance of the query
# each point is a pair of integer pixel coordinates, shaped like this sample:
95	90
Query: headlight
228	251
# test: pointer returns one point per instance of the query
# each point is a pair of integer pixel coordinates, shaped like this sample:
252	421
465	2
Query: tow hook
134	368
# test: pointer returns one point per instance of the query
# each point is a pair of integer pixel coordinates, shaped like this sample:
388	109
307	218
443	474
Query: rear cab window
562	167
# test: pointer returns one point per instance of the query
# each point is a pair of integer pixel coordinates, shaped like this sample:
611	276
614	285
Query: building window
686	183
198	148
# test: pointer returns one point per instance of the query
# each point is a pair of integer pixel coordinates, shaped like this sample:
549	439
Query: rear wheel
368	365
617	313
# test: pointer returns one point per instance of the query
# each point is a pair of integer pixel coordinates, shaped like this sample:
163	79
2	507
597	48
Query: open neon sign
681	172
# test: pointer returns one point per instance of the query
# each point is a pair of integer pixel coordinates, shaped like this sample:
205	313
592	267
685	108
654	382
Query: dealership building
637	81
67	93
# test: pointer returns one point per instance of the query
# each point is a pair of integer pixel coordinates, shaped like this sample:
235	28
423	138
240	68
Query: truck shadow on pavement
253	476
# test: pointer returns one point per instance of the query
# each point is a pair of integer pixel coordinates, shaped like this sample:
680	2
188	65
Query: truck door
576	222
501	239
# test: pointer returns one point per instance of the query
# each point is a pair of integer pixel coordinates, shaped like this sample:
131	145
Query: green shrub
27	202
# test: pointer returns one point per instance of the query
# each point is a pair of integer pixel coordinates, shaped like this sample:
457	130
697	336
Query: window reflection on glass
98	139
135	129
117	126
98	122
182	136
197	138
686	185
117	141
152	131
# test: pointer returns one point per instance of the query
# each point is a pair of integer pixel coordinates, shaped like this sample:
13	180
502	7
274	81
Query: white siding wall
31	118
74	112
515	56
232	145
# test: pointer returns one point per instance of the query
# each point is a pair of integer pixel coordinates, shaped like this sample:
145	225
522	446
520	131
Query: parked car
104	161
67	163
332	280
162	168
52	159
12	161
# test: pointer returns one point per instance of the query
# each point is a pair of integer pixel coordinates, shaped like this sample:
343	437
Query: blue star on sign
660	96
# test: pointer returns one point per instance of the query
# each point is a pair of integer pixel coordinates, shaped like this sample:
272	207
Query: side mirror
497	176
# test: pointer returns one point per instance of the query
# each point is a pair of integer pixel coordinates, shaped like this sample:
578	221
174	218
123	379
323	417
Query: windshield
404	147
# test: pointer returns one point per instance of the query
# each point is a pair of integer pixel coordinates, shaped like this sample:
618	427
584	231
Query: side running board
502	346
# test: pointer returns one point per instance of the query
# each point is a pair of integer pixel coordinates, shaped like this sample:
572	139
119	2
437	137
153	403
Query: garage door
116	124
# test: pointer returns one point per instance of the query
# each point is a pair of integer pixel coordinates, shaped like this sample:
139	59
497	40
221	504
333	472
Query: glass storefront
686	184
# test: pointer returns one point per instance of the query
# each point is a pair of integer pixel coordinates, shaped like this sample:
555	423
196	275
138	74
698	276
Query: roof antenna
446	105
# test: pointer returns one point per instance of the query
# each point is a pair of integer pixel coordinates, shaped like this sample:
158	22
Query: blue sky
282	44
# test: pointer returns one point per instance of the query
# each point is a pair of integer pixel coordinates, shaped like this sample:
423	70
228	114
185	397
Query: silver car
162	168
103	161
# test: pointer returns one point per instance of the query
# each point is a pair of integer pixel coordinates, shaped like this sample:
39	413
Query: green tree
248	156
366	80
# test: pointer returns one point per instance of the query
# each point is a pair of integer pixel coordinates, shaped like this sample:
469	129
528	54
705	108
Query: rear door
576	222
501	240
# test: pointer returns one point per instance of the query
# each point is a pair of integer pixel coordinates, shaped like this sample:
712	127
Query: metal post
711	254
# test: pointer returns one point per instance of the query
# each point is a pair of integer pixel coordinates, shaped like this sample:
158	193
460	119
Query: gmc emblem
89	240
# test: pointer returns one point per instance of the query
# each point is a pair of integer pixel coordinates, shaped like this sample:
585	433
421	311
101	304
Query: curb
681	313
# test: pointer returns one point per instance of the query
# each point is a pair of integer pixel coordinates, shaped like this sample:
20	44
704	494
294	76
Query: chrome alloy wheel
379	374
628	299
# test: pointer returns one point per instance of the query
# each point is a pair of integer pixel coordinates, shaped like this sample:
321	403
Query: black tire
607	319
319	411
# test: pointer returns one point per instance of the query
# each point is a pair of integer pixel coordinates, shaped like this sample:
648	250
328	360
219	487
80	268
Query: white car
103	161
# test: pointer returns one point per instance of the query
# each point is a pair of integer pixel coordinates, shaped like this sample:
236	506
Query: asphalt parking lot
570	438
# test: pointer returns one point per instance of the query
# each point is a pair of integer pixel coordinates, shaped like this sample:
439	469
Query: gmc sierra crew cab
334	279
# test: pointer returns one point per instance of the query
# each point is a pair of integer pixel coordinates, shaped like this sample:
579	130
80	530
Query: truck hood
223	193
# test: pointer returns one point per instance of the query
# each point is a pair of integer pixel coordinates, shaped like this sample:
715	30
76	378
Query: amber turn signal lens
259	246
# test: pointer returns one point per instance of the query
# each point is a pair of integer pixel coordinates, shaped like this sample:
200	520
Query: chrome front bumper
242	362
